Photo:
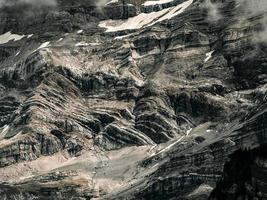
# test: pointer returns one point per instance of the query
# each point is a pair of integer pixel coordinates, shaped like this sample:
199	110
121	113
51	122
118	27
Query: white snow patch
188	131
60	39
144	19
208	56
94	43
171	145
112	1
155	165
84	44
17	53
29	36
151	3
208	130
204	188
152	155
152	148
177	10
4	131
136	22
8	36
43	45
122	36
79	31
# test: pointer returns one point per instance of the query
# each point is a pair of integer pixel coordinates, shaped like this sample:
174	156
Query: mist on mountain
256	8
21	9
213	10
33	3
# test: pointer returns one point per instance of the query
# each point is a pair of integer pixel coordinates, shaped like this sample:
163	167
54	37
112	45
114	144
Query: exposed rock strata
159	109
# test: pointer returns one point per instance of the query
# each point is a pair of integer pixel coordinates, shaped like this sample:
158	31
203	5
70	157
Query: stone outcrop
139	101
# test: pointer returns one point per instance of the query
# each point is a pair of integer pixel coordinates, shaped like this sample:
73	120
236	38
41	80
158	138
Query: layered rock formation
132	100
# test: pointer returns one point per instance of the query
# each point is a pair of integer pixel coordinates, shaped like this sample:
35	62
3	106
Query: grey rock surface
133	100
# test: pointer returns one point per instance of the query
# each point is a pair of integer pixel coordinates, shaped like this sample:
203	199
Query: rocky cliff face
133	99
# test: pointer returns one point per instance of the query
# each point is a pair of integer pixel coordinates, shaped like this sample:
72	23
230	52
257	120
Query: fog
33	3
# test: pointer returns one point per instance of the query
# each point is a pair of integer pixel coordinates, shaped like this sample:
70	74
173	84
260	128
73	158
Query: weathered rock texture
91	107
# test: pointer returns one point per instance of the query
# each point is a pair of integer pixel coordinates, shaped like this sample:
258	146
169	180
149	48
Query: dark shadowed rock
132	100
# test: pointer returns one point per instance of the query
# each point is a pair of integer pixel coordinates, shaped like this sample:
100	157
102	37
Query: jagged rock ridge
131	100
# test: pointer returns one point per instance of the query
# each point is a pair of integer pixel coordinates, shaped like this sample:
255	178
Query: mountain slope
130	99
